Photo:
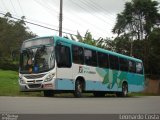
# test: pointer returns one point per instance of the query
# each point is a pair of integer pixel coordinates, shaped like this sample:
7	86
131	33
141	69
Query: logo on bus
86	70
80	69
34	81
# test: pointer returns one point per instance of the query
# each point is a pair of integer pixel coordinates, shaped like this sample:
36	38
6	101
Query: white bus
55	64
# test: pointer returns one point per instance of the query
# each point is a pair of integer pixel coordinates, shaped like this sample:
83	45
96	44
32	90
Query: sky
95	16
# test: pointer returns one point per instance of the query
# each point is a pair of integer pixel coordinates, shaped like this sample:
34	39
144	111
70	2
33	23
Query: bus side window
123	64
139	68
113	62
132	66
63	56
77	54
90	57
103	60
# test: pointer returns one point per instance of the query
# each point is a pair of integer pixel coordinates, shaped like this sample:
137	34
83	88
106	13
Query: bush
8	64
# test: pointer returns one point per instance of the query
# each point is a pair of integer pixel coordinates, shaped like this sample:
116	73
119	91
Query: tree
88	38
122	45
12	34
154	53
138	18
105	43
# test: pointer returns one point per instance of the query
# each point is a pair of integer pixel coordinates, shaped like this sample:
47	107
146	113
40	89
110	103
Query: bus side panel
111	79
90	75
108	80
64	84
99	86
105	80
97	79
135	82
94	85
64	79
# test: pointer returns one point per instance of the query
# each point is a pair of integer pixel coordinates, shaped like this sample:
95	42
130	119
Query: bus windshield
36	60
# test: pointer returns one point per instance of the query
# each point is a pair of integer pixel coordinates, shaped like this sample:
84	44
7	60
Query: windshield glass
36	60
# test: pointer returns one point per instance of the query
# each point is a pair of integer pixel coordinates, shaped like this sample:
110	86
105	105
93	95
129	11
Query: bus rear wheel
78	89
48	93
124	91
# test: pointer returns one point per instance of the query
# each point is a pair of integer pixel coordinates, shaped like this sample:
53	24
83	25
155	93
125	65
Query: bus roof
57	38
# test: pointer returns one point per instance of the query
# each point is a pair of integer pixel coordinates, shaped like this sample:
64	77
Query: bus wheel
78	89
124	91
48	93
99	94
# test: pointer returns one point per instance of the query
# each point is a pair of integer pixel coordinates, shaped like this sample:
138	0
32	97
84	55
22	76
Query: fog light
22	81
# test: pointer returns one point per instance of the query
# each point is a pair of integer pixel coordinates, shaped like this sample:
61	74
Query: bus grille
34	85
34	76
34	81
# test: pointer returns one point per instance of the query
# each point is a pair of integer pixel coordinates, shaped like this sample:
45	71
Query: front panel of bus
37	65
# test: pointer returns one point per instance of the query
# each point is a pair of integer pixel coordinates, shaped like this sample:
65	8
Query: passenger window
113	62
132	66
77	54
103	60
123	64
90	57
139	68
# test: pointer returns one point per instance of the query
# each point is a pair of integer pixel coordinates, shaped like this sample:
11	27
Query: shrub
8	64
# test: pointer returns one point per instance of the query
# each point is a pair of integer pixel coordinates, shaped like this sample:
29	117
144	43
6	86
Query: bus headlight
49	78
22	81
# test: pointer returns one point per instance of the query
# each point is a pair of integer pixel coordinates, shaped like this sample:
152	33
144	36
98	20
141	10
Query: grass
9	85
142	94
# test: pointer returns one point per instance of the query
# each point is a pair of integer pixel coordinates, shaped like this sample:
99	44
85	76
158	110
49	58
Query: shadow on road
91	96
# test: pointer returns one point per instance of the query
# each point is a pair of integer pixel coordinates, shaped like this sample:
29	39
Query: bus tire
78	88
48	93
124	90
99	94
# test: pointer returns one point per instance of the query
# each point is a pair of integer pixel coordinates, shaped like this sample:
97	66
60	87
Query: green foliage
122	45
138	49
9	85
8	64
154	52
138	21
12	34
138	18
88	38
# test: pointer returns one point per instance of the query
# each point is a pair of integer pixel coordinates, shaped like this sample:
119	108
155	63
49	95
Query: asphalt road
89	105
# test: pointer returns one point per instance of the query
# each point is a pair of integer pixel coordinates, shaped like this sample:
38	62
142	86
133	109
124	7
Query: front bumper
37	86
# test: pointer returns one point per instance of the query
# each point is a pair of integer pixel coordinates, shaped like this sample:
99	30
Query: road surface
89	105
